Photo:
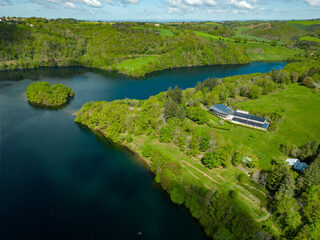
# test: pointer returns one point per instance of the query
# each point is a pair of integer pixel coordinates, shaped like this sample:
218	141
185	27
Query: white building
296	164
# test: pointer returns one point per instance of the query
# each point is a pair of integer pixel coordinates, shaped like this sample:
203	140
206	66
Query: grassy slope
166	32
305	22
135	67
239	34
309	38
194	173
299	125
259	51
163	31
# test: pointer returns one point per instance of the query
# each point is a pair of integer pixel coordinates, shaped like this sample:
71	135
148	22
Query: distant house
240	117
296	164
157	25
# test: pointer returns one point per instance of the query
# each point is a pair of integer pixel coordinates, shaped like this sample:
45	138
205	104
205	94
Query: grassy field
135	67
309	38
163	31
194	173
210	36
212	23
305	22
239	34
299	124
258	52
166	32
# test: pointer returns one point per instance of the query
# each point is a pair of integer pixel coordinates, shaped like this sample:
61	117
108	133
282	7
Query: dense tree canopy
42	93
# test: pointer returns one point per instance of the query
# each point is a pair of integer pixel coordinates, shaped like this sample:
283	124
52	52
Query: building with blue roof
240	117
221	110
297	164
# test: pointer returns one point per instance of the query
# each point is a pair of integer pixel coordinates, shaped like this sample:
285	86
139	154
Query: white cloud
93	3
314	3
70	5
188	6
241	4
90	3
5	2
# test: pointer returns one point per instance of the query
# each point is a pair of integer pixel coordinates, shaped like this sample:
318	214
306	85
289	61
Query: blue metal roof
221	108
250	117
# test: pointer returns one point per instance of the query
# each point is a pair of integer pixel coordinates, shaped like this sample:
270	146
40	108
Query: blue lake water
60	181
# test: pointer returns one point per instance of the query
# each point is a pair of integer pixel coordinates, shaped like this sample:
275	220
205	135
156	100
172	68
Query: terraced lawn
194	173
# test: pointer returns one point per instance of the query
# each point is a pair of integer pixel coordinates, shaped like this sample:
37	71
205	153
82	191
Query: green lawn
309	38
137	66
300	123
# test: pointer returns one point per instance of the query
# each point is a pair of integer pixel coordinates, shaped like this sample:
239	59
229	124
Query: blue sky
162	10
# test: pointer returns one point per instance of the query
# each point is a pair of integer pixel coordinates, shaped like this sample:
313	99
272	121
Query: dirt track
261	24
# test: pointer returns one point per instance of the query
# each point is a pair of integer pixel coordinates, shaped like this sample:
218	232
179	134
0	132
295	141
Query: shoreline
145	164
146	74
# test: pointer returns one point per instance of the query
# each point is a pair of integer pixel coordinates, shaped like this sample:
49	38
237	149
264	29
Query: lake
61	181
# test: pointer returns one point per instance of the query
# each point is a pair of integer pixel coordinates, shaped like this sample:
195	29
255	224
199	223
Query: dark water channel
60	181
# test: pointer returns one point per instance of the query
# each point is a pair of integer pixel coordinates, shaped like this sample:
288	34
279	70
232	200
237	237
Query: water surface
60	181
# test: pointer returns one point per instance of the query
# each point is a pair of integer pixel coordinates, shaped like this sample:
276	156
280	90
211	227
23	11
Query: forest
200	160
139	48
44	94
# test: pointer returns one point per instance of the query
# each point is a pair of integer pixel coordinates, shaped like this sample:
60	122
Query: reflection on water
60	181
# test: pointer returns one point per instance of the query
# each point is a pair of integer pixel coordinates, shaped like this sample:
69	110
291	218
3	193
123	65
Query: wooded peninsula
233	179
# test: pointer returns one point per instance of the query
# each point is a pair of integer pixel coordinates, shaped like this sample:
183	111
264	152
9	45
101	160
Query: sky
163	10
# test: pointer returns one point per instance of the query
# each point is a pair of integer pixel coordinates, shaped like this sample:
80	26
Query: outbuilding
297	164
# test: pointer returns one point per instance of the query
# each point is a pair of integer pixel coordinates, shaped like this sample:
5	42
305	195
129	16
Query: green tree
254	92
286	213
308	82
197	114
178	194
221	156
171	109
309	232
175	94
312	175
